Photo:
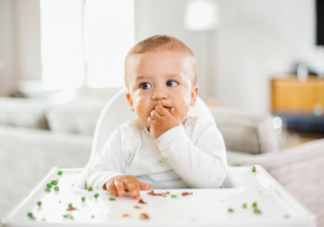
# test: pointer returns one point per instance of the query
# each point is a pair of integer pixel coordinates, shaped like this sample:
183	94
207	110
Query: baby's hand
117	186
161	120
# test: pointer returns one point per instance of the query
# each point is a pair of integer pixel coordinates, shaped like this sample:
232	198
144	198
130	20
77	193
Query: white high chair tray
205	207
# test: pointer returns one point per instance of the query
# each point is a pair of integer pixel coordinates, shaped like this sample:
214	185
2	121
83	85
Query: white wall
256	40
153	17
265	38
27	34
7	76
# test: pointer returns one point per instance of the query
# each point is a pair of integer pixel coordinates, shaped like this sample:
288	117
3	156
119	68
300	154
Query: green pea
83	199
96	195
254	204
39	203
173	196
230	210
244	205
70	205
112	199
253	169
60	172
90	189
56	188
49	185
47	189
31	216
257	211
54	182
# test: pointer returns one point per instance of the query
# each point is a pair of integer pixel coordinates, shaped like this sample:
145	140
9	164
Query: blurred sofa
37	135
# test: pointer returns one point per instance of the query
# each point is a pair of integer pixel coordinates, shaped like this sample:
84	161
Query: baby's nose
159	94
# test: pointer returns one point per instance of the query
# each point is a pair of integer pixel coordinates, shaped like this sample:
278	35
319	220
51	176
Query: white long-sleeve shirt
190	155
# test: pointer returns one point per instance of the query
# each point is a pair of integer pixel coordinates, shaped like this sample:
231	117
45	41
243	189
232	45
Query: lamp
202	15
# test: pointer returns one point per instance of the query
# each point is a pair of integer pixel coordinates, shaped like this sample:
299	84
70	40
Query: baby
163	147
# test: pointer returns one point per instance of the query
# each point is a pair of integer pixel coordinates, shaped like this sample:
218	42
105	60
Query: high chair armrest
299	169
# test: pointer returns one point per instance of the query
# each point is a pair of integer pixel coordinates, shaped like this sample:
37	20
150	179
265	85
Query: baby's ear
130	101
194	94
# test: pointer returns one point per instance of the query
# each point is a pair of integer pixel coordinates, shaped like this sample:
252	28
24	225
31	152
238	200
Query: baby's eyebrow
172	75
141	77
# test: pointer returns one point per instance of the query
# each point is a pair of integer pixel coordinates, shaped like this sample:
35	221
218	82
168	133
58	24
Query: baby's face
164	78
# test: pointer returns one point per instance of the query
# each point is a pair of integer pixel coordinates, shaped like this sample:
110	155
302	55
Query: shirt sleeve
109	162
200	162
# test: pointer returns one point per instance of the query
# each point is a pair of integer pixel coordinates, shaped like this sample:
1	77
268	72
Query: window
84	42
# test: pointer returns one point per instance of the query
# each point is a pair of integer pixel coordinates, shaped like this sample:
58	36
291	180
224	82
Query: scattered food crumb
141	201
159	161
125	215
286	216
159	194
72	185
92	216
31	216
60	201
69	216
71	207
174	196
257	211
186	193
137	207
144	216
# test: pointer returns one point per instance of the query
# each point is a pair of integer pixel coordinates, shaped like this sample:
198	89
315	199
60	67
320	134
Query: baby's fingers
119	184
144	186
112	189
150	120
133	189
174	114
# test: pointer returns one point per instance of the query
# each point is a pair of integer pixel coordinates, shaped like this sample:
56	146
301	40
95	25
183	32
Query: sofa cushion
78	117
23	112
244	131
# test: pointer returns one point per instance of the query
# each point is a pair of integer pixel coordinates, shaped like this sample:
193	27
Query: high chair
248	197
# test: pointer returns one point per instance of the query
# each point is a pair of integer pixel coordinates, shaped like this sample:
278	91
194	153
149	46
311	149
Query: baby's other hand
117	186
161	120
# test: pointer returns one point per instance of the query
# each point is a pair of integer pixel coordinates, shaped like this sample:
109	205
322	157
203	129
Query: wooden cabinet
289	94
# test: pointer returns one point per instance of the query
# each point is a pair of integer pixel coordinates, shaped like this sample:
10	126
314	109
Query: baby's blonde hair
159	43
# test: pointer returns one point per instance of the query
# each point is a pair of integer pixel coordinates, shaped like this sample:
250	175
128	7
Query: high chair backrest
117	111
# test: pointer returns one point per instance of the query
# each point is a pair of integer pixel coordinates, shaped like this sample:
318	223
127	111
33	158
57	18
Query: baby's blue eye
145	85
172	83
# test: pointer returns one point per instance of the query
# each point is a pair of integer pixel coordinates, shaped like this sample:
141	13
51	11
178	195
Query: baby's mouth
168	108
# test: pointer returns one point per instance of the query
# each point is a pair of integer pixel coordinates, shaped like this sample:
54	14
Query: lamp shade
201	15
